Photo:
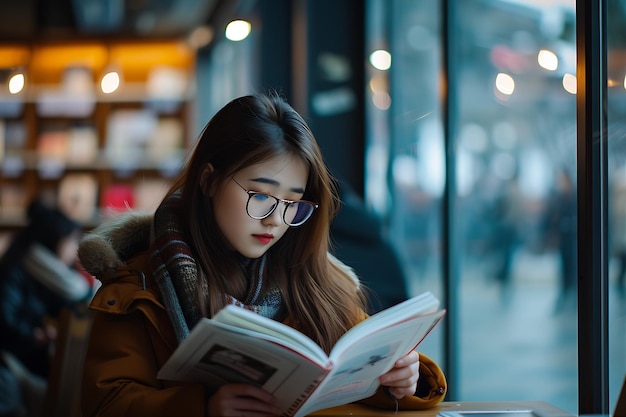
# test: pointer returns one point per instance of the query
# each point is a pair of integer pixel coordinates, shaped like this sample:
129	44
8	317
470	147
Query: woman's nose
276	218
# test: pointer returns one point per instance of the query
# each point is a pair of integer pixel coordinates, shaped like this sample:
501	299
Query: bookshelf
66	140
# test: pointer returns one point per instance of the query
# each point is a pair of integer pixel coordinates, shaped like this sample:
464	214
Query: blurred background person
38	278
617	232
505	214
358	240
561	228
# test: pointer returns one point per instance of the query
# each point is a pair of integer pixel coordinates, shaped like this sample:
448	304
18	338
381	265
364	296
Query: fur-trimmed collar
111	244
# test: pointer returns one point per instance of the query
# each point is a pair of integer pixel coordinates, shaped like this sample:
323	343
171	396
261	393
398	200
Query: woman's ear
204	179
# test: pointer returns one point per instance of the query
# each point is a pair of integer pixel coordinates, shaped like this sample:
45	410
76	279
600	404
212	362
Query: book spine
303	397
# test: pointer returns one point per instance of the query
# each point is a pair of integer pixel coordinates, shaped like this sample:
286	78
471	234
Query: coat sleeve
120	371
431	390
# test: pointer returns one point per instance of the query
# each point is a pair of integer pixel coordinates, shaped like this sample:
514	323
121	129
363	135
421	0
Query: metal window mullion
450	254
592	207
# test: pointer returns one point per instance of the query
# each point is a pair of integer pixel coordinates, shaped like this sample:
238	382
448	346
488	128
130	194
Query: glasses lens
261	205
298	212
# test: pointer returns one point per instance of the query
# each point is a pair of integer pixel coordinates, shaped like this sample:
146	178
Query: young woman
247	222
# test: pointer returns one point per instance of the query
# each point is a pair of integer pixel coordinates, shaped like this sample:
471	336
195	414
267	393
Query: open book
238	345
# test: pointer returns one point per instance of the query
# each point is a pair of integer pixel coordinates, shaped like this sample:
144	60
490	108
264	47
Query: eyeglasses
261	205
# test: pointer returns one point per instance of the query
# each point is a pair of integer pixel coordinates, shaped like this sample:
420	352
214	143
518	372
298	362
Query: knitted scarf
180	279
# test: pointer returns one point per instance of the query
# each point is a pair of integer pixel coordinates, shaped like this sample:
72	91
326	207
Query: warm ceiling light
569	83
238	30
548	60
16	83
110	82
505	84
380	59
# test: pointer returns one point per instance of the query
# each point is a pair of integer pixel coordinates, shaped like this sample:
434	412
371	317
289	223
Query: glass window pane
616	118
404	154
516	167
515	158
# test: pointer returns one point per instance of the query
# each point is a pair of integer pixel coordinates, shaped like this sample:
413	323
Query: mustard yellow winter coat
132	337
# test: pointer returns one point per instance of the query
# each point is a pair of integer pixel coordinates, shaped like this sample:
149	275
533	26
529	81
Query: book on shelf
13	137
128	131
238	345
52	144
75	96
82	145
166	141
15	134
13	202
117	197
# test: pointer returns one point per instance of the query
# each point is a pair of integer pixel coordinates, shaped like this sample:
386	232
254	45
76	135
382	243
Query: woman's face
284	177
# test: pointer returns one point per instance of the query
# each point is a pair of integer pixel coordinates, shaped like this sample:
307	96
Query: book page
246	319
420	304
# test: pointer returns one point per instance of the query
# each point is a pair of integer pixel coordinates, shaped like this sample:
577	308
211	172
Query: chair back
66	372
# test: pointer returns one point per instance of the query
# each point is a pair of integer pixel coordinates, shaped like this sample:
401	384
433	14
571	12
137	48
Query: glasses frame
286	203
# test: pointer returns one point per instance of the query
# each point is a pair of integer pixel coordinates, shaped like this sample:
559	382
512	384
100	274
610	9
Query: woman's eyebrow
269	181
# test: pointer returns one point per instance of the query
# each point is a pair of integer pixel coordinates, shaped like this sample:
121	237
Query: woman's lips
264	239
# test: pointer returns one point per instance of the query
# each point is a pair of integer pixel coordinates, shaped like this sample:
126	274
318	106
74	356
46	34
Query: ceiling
32	20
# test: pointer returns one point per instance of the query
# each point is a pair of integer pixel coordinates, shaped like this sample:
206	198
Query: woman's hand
242	400
402	378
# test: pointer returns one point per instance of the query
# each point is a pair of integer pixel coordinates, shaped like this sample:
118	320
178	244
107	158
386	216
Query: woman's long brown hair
322	300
